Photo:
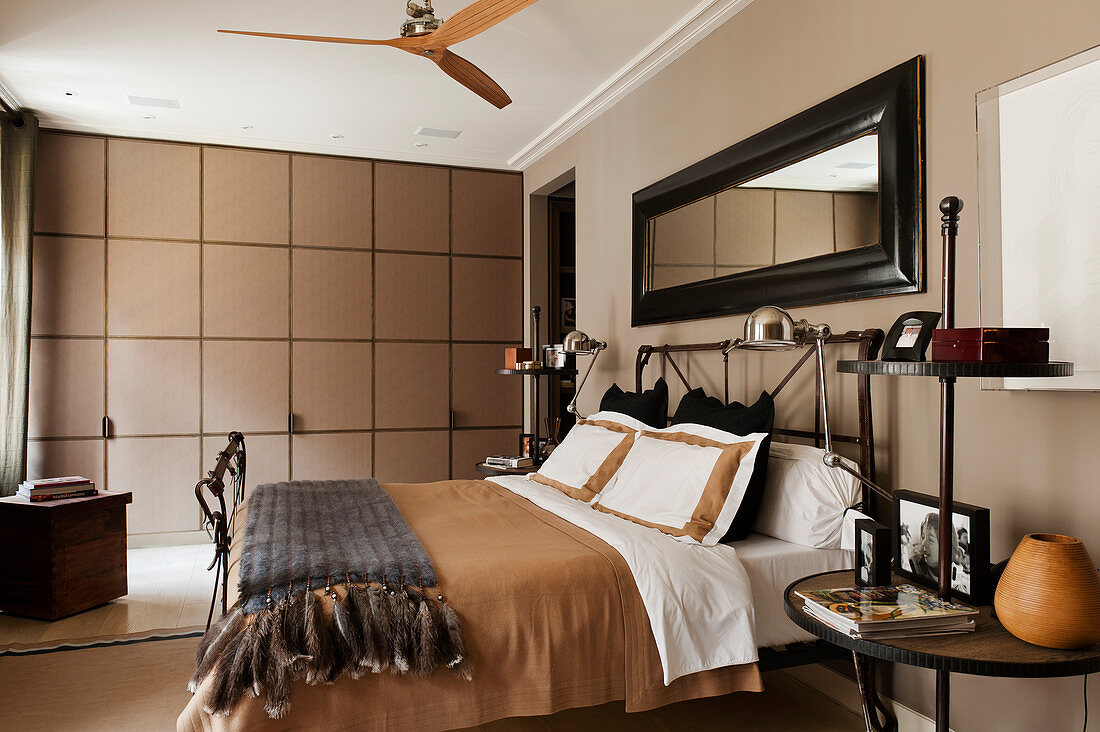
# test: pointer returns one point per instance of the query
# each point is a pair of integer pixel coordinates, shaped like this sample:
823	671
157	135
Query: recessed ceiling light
337	137
148	116
246	127
420	144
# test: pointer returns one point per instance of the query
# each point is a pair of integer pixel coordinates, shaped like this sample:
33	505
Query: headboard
869	342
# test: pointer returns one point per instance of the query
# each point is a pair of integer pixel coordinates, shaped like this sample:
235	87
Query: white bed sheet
698	598
771	565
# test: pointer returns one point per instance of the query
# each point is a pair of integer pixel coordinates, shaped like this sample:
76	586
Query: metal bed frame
797	654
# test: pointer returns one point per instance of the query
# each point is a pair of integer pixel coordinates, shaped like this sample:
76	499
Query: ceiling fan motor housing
421	20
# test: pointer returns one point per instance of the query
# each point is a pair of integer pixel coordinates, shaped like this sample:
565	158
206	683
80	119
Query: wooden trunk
61	557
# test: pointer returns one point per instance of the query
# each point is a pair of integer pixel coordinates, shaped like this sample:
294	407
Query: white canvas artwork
1044	129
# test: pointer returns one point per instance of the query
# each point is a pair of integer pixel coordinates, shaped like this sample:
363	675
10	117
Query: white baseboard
167	538
844	691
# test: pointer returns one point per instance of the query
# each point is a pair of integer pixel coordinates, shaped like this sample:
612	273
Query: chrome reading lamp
579	344
772	328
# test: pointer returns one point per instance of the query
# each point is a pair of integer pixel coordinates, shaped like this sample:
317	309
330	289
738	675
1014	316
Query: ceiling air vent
153	102
436	132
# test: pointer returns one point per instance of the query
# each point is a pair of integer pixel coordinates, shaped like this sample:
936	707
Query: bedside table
989	651
494	470
60	557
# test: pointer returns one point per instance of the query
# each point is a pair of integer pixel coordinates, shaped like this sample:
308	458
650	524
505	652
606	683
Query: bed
565	607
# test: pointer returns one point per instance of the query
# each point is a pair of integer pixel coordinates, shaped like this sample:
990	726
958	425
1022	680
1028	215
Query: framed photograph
909	336
916	541
872	553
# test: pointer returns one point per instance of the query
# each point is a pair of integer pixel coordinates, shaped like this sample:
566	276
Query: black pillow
650	407
698	408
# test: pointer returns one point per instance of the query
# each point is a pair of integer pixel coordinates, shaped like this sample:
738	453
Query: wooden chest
61	557
991	345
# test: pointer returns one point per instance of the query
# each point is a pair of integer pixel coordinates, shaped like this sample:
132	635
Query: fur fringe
222	634
460	662
317	641
401	630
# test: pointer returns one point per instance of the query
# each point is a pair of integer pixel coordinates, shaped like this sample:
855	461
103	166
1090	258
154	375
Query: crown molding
677	40
9	99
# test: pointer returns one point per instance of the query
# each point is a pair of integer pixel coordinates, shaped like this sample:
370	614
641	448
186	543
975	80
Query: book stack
52	489
894	611
509	461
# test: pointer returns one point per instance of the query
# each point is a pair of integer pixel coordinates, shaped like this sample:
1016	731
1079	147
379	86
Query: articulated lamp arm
572	408
830	458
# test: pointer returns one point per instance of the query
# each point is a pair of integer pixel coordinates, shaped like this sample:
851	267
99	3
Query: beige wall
188	290
1031	457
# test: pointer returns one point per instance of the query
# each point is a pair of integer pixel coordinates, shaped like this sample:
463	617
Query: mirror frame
891	105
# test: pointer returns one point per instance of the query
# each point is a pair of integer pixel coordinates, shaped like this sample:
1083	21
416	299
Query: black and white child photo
917	536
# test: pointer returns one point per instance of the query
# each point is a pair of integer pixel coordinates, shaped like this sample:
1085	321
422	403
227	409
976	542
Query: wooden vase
1049	594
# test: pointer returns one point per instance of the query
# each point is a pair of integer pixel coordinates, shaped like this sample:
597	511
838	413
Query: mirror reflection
822	204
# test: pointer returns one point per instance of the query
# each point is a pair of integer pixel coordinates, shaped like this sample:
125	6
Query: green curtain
18	135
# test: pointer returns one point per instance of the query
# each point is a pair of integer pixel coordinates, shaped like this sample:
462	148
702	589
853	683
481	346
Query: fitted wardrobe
345	314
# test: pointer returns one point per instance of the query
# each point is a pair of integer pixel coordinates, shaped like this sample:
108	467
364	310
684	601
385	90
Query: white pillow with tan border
687	480
588	457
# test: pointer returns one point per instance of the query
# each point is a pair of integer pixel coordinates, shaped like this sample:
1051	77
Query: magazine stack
893	611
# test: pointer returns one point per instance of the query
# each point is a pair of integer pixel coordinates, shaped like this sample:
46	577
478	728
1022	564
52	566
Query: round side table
989	651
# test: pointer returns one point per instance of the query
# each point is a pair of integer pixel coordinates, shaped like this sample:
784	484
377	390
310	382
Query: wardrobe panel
68	295
412	207
153	189
331	201
70	184
246	196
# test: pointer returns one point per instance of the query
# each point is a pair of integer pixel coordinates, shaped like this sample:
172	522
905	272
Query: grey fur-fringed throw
345	539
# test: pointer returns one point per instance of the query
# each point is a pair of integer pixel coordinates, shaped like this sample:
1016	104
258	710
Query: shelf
950	369
537	372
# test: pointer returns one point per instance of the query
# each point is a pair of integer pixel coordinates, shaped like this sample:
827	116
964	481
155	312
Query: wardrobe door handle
106	427
290	423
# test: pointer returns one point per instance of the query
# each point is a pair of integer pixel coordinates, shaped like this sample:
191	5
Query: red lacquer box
991	345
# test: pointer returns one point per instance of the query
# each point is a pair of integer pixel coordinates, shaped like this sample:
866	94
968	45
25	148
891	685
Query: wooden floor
169	589
143	687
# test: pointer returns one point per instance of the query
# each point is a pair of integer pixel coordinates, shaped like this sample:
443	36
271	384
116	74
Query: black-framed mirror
826	206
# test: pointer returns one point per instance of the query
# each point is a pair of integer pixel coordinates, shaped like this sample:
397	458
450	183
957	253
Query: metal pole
947	482
950	208
943	701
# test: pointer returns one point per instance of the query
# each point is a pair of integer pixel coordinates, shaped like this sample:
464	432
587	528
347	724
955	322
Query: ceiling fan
423	34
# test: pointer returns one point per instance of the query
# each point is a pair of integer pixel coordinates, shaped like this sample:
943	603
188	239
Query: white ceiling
852	166
551	58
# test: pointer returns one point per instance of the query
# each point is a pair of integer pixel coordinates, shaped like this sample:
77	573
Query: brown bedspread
551	615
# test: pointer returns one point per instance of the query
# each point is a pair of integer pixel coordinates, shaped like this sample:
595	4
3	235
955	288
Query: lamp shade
769	328
578	342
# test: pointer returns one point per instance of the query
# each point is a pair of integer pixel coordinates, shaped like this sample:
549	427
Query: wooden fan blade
473	19
472	78
408	44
